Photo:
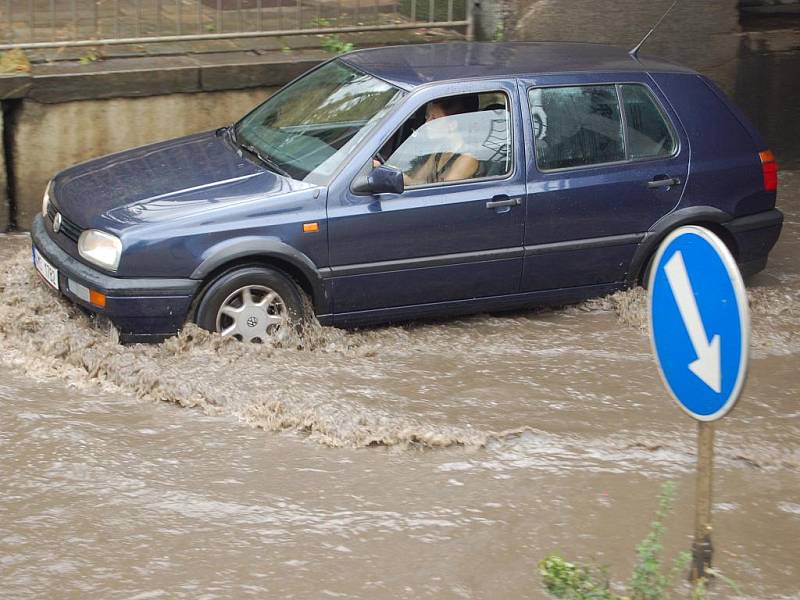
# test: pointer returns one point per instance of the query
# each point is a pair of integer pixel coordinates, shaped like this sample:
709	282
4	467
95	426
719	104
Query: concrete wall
701	34
758	67
51	137
4	208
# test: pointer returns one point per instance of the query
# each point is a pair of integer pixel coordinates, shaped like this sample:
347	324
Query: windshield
309	128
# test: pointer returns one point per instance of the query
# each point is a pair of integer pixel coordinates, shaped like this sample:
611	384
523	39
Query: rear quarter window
648	134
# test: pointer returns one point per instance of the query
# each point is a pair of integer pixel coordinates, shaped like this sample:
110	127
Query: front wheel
252	304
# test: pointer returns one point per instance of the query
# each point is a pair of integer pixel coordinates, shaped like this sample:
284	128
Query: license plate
46	270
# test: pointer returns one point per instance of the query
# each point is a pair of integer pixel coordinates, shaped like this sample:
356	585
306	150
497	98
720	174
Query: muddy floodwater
427	460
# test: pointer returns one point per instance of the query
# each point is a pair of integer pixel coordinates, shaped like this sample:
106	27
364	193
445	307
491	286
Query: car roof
417	64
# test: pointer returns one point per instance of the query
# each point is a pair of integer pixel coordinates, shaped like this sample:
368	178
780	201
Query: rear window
579	126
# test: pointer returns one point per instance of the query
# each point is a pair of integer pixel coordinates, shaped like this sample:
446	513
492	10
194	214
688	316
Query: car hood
163	181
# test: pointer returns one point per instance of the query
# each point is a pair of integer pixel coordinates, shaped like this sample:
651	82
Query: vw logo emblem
57	223
252	321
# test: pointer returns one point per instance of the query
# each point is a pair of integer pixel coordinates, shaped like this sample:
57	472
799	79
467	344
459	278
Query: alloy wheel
253	313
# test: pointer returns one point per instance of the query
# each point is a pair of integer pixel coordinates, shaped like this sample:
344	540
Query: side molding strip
422	262
585	244
482	256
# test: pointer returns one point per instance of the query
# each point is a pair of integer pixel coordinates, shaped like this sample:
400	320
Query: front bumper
141	309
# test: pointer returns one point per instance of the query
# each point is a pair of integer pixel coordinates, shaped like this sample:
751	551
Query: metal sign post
702	549
700	333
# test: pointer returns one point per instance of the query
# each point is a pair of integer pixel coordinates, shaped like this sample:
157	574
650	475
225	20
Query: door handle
665	182
501	201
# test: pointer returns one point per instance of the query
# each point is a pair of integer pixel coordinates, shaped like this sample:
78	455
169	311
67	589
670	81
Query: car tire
645	277
253	304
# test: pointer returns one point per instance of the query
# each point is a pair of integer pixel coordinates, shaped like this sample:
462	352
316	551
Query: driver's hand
376	163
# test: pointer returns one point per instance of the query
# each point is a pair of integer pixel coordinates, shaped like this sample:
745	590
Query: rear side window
576	126
648	134
582	126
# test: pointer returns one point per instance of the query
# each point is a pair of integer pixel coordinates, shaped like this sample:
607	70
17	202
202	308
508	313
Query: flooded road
433	460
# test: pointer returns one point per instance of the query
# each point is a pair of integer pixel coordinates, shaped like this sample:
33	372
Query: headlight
100	248
46	199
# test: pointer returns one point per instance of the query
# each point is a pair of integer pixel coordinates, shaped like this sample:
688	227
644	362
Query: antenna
635	50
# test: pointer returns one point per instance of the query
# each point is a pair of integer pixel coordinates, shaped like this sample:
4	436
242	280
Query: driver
453	165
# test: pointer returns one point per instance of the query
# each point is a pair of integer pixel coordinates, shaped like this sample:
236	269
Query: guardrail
63	23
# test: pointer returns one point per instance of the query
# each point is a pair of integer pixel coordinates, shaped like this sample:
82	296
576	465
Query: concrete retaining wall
64	112
51	137
5	214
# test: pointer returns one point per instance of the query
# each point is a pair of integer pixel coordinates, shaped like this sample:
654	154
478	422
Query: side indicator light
97	299
769	169
310	227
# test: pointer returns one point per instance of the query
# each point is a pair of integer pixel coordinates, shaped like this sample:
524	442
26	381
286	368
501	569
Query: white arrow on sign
707	366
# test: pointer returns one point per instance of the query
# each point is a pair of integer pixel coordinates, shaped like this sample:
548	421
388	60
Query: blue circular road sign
699	322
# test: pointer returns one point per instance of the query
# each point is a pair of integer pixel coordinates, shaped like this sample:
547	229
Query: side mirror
382	180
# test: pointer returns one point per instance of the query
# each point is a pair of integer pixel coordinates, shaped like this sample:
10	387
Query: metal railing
57	23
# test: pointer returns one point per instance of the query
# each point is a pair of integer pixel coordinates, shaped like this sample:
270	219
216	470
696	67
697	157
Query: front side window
455	138
309	128
649	135
576	126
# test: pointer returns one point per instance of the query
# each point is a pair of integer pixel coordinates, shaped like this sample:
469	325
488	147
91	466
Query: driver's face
434	111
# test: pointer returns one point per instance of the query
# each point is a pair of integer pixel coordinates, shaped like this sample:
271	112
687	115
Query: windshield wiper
264	159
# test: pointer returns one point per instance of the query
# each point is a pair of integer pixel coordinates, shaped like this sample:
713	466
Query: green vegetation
320	23
650	580
569	581
331	42
336	45
88	58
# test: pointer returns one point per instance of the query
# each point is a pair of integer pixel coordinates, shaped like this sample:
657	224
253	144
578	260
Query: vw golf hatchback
397	183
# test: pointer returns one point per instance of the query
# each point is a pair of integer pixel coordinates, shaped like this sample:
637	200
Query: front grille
68	228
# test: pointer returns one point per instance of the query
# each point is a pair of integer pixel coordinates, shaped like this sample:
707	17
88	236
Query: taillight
769	168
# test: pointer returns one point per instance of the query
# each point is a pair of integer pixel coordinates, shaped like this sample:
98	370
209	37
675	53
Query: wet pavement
433	460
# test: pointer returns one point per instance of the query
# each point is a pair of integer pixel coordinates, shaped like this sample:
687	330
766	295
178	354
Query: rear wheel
645	277
252	304
722	234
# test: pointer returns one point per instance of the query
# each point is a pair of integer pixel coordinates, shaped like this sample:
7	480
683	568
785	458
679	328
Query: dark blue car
397	183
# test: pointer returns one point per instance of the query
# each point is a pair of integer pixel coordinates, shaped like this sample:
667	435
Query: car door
435	242
609	160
